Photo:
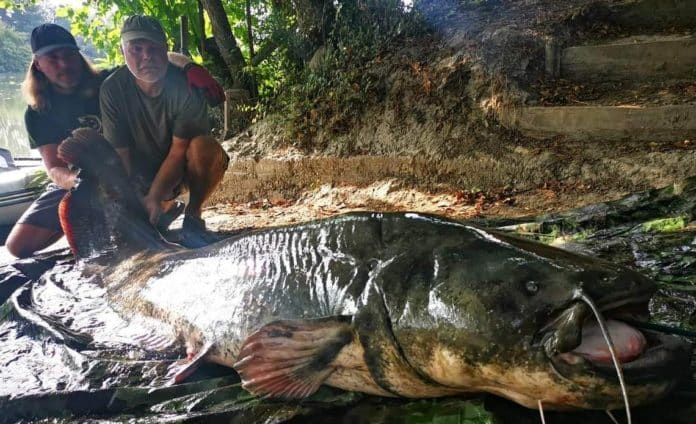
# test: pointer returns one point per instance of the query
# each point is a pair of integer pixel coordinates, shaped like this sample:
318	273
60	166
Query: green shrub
332	94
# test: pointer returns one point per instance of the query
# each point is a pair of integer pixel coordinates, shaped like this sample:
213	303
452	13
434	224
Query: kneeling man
160	128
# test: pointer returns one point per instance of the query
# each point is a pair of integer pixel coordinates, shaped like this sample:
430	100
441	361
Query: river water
13	136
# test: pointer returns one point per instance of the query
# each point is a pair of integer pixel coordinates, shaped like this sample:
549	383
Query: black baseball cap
48	37
140	26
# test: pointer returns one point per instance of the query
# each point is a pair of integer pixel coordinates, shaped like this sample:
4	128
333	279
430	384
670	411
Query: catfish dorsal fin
102	213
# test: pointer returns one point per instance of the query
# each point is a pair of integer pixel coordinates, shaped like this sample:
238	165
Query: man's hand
153	207
199	77
56	168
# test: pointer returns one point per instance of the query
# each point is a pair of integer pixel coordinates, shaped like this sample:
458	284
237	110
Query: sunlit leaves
15	4
99	21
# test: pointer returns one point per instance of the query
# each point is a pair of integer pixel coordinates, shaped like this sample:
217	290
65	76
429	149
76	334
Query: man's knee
18	245
14	248
207	152
24	240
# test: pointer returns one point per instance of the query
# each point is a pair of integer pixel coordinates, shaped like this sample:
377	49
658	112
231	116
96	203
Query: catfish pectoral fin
291	359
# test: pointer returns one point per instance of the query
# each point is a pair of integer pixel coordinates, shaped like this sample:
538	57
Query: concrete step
562	92
638	57
606	123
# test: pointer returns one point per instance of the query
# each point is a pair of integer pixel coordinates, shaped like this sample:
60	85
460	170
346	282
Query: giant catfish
390	304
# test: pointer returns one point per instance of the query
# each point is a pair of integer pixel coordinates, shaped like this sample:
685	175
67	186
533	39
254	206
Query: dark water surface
67	356
13	135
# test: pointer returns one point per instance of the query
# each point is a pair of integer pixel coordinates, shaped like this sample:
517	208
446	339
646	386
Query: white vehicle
20	183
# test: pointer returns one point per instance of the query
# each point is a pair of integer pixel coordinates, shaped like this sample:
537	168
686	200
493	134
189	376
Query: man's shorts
44	211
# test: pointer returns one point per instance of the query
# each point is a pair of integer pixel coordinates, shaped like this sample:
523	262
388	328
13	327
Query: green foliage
100	22
14	50
12	4
332	94
273	26
664	225
24	19
100	28
38	181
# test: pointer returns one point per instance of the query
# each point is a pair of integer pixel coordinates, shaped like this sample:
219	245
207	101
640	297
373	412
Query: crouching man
160	129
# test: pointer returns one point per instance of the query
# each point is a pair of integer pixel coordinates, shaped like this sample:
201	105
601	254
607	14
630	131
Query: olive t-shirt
65	112
145	124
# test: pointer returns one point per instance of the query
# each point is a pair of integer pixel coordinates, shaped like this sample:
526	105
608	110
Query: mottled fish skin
393	304
438	307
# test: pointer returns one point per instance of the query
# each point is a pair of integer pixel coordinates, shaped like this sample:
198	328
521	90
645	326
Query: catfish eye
532	287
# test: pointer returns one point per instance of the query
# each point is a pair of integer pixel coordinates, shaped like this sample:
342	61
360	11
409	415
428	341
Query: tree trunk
184	36
229	50
250	32
201	25
264	52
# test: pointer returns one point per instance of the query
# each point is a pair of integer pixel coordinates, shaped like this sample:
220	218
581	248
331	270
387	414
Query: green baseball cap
140	26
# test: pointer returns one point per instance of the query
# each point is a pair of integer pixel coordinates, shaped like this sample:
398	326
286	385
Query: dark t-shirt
147	124
65	113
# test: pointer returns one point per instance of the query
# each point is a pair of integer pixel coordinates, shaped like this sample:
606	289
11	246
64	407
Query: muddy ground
386	195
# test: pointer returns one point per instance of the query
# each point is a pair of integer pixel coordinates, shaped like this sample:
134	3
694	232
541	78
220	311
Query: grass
665	225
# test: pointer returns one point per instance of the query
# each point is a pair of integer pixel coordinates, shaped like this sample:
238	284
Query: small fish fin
291	359
185	372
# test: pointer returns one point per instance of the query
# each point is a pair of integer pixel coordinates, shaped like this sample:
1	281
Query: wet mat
66	356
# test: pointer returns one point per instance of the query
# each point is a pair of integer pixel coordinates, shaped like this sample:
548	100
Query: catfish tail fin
102	213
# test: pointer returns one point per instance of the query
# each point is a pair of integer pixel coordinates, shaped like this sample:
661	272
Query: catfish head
486	311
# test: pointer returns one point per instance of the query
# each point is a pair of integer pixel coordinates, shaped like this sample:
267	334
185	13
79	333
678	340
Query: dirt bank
422	119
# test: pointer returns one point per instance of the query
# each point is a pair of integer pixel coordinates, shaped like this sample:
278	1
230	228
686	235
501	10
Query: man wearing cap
160	128
62	91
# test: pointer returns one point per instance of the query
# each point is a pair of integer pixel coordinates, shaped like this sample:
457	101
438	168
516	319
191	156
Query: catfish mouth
575	346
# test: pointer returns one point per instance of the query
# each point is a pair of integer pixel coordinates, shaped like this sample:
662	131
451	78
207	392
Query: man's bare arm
170	173
56	169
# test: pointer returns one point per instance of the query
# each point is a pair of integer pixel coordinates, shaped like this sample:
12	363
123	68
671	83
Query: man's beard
149	74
